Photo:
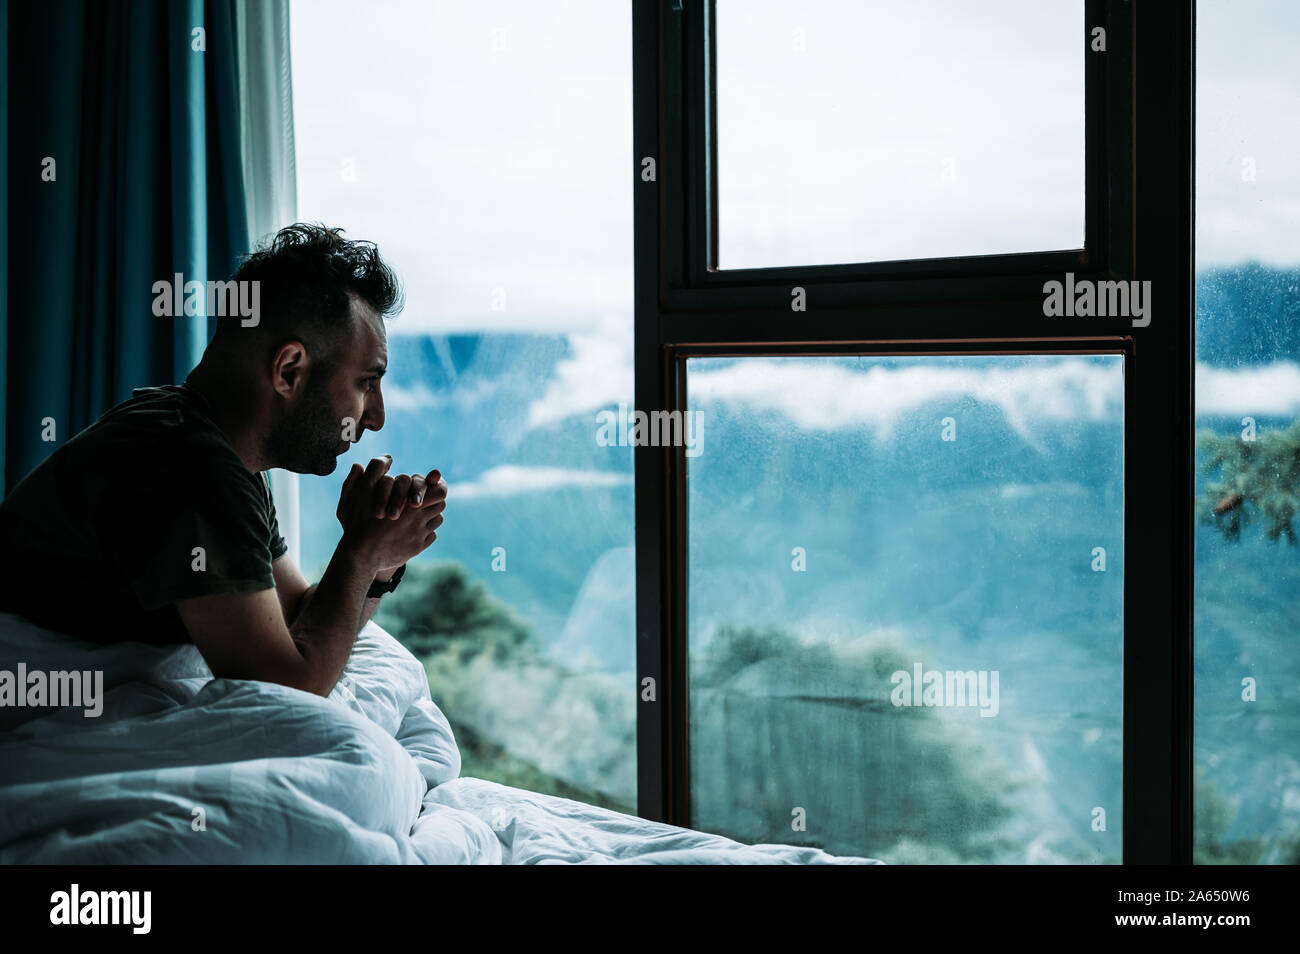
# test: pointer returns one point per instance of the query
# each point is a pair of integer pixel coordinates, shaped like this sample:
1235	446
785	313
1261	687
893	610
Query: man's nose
374	416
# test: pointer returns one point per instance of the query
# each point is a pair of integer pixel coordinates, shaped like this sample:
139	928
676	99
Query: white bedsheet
183	768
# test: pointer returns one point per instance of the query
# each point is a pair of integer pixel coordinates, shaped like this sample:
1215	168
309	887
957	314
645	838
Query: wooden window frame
1138	226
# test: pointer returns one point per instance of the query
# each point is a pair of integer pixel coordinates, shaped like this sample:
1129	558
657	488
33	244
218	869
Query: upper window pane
855	132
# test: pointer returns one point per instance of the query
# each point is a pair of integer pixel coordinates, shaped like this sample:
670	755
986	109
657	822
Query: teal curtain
121	144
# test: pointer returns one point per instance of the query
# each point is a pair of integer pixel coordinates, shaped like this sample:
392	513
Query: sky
486	146
878	131
1248	98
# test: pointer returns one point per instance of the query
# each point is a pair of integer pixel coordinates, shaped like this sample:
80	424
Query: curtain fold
266	115
270	175
122	142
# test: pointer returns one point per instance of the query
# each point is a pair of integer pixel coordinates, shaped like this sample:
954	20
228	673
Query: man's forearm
368	606
301	605
325	626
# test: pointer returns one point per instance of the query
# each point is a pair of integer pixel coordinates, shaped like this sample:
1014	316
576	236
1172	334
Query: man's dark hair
306	273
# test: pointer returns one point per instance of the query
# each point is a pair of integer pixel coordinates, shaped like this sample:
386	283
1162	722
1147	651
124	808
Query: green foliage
909	852
440	609
1258	479
936	794
523	719
1214	814
736	647
483	758
511	707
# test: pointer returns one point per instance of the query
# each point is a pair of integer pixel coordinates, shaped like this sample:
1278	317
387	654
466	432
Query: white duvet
183	768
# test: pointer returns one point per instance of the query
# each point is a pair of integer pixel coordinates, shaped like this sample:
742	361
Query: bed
181	768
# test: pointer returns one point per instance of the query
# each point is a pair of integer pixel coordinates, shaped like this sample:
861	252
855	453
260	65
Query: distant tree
1257	479
1214	814
489	676
443	609
923	790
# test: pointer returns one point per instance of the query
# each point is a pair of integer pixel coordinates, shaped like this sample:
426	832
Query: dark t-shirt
147	506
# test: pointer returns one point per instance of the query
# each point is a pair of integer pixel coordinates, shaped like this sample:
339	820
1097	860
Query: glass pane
1247	731
486	149
870	131
906	605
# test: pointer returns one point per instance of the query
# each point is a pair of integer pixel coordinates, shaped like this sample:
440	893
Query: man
156	524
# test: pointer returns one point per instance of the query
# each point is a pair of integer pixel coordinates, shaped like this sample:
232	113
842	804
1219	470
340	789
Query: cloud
487	146
420	397
509	480
1271	389
815	394
409	399
820	395
1052	489
597	374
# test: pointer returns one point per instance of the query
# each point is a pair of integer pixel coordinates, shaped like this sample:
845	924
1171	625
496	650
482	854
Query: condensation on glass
905	601
1247	616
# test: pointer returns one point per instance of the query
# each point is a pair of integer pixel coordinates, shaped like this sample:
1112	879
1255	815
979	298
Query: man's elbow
303	674
310	673
308	682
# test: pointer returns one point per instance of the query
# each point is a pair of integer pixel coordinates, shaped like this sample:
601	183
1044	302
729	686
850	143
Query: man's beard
306	440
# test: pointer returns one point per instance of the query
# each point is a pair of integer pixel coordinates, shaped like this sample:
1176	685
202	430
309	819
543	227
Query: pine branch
1254	481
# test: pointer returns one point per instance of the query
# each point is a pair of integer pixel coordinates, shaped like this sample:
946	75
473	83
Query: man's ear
289	368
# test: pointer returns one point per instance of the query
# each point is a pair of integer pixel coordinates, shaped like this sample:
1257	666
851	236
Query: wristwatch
378	589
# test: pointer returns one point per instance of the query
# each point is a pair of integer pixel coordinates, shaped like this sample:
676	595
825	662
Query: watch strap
378	588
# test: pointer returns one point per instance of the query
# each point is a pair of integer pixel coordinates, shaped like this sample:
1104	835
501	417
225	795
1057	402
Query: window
1247	411
774	659
787	332
485	149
